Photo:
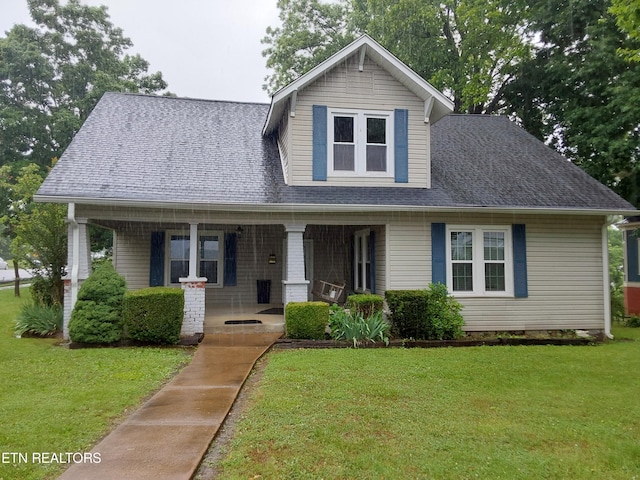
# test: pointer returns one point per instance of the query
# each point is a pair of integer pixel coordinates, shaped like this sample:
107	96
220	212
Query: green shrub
353	326
430	314
39	320
367	304
443	314
408	313
97	315
307	319
43	290
632	321
154	314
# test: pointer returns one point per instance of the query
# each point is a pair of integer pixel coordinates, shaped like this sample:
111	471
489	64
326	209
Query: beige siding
131	257
564	255
374	89
409	250
564	258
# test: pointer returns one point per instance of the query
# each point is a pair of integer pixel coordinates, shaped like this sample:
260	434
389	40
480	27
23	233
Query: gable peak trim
366	46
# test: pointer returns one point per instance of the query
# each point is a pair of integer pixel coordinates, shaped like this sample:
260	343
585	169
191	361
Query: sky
204	48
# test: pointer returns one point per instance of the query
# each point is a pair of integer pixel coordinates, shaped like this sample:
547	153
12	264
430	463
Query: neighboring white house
356	172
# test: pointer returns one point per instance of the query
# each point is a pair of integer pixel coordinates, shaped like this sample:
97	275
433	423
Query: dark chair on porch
329	292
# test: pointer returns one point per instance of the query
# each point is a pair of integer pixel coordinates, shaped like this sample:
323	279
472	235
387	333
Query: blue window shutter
631	243
319	142
520	282
439	253
401	145
372	256
230	260
156	264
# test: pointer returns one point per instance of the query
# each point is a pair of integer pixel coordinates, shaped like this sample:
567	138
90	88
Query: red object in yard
632	300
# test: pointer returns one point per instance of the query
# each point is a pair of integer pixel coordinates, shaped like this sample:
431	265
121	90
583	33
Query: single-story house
356	173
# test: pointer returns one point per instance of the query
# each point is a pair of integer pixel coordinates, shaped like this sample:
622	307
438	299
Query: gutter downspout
75	253
605	277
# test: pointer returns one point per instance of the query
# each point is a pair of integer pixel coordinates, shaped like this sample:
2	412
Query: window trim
478	262
364	254
185	233
360	142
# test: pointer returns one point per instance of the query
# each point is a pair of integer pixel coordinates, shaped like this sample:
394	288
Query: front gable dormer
360	118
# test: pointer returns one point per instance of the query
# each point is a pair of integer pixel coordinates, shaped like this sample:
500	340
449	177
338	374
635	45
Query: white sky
204	48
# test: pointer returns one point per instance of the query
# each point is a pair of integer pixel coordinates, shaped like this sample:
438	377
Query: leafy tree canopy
627	13
51	77
468	48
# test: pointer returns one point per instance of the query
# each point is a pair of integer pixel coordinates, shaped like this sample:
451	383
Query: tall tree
627	13
51	77
311	32
580	95
40	232
468	48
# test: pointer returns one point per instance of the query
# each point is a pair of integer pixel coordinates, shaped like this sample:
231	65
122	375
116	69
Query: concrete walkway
168	436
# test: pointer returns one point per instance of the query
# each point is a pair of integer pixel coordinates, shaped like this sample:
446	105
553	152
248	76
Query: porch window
209	259
360	143
362	261
480	260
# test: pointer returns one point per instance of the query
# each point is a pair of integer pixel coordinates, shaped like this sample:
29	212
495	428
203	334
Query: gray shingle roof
172	150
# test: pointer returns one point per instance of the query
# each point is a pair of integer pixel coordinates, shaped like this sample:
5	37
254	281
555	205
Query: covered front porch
223	267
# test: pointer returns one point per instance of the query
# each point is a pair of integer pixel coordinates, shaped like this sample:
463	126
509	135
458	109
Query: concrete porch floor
217	314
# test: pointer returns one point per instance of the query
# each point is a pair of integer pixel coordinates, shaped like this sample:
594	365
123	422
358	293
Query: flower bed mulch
288	343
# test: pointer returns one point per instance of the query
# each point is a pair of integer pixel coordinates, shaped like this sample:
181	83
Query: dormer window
360	143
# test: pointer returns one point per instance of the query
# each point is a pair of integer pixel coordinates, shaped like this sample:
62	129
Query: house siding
373	89
564	258
131	257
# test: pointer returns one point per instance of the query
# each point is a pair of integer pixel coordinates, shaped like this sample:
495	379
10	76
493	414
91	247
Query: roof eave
410	79
315	208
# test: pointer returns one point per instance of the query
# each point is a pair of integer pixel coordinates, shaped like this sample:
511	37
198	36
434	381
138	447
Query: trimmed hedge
97	314
430	314
307	320
408	313
154	314
366	304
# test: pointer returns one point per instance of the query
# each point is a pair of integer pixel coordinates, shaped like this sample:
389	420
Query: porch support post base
194	306
295	291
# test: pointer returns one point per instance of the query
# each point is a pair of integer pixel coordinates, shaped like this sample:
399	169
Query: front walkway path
168	436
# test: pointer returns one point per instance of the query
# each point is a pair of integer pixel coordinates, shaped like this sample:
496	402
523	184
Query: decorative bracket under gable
363	51
293	104
428	106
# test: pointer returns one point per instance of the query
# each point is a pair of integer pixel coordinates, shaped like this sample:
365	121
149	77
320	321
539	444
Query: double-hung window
209	256
480	261
360	143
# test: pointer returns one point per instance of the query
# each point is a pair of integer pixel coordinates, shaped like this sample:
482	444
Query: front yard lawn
482	412
57	400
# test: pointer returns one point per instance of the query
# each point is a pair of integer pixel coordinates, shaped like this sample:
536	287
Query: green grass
53	399
485	412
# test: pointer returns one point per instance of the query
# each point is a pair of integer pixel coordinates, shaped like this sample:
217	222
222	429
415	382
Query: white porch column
194	290
295	285
78	264
193	250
